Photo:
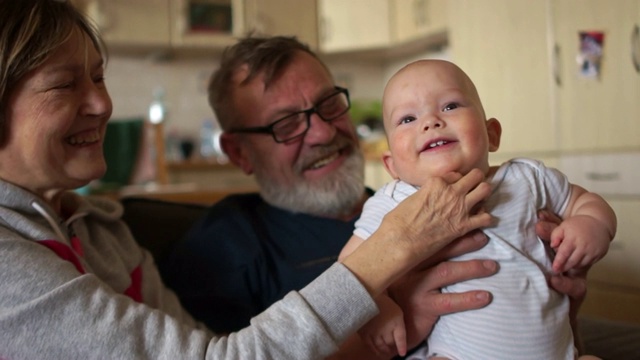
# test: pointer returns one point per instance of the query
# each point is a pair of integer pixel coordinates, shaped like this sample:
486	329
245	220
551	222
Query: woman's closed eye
63	85
99	79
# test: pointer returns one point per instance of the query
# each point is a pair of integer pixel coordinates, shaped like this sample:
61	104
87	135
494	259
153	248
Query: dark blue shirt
245	254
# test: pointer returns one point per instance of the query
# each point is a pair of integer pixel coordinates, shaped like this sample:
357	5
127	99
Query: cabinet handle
324	30
603	176
556	65
635	47
420	13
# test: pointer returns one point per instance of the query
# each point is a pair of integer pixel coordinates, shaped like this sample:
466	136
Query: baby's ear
494	130
387	160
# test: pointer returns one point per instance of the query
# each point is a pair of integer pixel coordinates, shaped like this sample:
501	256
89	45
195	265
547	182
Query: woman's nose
97	101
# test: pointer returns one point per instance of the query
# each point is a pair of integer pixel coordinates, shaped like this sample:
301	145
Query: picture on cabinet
590	55
210	16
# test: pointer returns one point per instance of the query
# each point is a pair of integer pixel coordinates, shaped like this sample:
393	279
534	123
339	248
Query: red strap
135	290
64	252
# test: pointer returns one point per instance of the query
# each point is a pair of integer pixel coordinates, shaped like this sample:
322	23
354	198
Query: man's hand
418	293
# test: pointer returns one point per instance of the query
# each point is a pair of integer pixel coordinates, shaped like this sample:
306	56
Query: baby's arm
584	235
386	332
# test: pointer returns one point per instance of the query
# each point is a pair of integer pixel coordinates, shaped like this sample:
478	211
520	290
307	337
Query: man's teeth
324	161
83	139
437	143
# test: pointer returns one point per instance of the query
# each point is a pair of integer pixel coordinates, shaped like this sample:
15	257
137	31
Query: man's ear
231	146
387	160
494	130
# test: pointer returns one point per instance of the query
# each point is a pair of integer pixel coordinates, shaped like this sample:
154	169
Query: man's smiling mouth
324	161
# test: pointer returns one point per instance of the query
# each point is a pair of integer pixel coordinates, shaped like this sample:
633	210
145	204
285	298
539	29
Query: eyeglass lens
296	124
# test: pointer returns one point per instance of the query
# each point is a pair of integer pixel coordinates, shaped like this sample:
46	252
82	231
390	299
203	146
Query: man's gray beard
334	196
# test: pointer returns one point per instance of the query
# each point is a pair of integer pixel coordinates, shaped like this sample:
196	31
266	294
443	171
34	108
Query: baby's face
435	123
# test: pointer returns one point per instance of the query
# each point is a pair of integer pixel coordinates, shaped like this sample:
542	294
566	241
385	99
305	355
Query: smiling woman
56	119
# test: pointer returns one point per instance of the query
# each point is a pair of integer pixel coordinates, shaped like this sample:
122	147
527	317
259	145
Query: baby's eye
450	106
406	119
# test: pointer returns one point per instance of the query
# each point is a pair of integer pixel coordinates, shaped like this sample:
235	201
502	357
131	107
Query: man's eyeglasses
297	124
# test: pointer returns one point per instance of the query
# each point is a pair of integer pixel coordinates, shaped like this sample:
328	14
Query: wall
131	81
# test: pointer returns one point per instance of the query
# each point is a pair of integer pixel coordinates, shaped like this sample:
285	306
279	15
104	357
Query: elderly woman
74	282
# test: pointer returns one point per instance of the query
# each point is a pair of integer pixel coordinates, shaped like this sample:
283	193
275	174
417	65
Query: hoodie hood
33	218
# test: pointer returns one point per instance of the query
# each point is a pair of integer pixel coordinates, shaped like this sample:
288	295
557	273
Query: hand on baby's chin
452	177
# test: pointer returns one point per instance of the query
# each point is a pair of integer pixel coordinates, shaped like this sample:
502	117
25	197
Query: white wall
131	82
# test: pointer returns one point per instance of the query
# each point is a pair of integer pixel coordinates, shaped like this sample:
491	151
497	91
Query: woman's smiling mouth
84	138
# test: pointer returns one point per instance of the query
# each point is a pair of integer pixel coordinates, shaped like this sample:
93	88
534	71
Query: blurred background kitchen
562	76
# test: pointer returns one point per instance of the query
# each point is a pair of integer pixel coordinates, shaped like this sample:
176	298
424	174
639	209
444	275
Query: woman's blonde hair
30	31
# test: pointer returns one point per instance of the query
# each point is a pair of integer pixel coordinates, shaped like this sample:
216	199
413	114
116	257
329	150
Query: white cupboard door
126	23
353	25
502	45
284	17
415	19
598	109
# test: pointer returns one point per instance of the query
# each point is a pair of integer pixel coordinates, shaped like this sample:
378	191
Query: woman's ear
387	160
494	130
236	153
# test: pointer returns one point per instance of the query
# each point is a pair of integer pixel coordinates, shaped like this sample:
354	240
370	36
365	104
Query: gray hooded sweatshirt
79	287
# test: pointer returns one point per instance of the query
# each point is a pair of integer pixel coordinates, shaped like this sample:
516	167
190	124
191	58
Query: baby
435	124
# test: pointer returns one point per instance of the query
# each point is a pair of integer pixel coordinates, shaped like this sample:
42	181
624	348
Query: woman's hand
421	225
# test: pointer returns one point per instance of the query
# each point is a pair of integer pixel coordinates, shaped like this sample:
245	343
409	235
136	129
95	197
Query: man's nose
320	131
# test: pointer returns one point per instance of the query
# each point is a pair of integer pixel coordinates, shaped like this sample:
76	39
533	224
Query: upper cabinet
502	45
283	17
357	25
206	23
353	25
597	73
131	24
198	24
417	19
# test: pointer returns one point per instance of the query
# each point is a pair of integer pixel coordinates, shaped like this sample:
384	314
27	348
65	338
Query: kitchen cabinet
211	24
198	24
362	25
283	17
416	19
502	45
130	24
602	112
353	25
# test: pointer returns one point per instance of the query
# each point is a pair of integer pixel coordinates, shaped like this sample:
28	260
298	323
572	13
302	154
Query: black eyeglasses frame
268	129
